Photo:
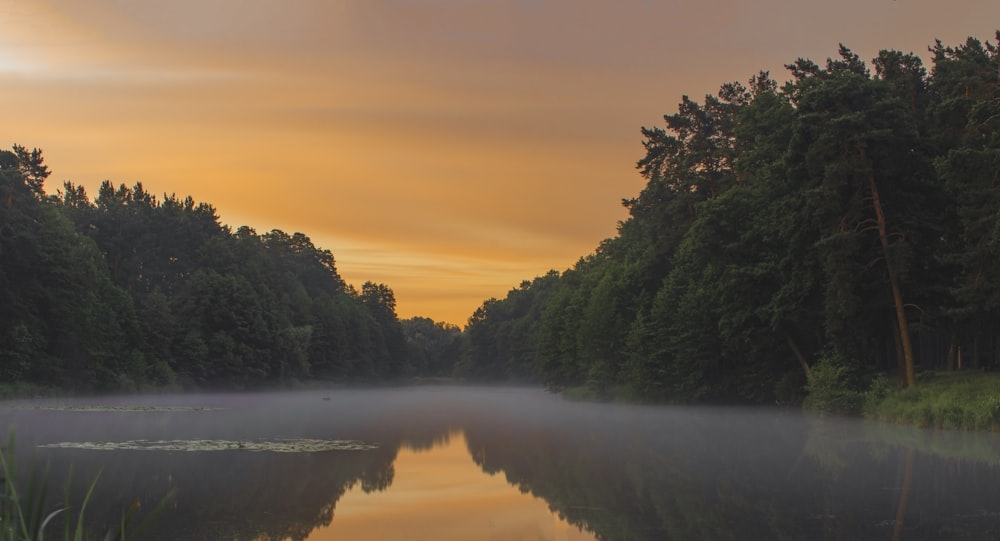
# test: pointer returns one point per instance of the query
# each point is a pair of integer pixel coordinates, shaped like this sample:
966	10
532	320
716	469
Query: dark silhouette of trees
129	290
846	216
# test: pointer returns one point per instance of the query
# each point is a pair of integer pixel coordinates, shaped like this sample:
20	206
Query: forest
844	222
130	292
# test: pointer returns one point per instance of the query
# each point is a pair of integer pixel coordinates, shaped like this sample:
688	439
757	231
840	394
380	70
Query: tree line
128	290
844	220
847	219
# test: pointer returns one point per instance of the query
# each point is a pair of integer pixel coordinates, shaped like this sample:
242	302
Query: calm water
450	463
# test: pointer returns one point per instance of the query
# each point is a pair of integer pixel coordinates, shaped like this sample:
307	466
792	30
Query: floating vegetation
118	408
290	445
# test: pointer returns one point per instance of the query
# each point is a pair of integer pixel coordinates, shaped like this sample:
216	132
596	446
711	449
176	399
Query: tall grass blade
130	516
25	518
78	535
48	519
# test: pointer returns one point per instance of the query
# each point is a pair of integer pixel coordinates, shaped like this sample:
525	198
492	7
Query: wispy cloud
449	148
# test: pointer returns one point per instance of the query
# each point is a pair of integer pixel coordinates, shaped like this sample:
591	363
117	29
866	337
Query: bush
875	394
831	388
991	410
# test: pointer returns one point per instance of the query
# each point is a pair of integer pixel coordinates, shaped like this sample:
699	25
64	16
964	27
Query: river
450	463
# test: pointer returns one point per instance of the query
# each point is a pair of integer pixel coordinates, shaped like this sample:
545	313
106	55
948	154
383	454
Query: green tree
33	171
433	346
963	114
66	322
380	301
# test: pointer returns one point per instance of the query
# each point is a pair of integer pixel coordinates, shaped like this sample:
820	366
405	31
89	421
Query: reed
27	514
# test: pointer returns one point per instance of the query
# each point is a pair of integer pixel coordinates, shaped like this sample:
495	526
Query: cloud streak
448	148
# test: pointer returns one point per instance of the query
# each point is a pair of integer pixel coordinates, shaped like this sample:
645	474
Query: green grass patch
968	400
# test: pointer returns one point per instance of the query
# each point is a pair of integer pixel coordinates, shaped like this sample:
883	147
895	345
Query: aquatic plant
27	515
285	445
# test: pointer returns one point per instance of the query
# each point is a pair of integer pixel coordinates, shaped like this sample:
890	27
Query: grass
968	400
26	513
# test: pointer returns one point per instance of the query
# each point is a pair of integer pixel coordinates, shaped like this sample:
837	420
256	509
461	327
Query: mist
254	465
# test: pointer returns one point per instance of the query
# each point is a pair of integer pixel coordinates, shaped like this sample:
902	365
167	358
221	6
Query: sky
447	148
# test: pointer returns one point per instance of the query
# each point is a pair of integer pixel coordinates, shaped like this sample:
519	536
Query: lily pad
290	445
119	408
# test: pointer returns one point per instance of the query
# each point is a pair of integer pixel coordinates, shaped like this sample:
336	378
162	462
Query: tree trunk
900	358
798	354
897	295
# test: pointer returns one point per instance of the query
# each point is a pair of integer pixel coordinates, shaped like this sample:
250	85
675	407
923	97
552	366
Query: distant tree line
128	290
848	218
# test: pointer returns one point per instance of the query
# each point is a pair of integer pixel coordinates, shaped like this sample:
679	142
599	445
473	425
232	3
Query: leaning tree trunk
798	354
897	295
900	356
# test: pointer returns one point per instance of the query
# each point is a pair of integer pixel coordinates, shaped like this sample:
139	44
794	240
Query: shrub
991	408
875	394
832	388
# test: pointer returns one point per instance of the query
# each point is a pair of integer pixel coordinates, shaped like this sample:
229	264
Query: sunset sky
448	148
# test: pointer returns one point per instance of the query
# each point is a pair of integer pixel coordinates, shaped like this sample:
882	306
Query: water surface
485	463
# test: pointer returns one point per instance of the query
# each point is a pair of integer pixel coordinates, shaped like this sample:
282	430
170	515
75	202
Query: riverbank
25	390
967	400
10	391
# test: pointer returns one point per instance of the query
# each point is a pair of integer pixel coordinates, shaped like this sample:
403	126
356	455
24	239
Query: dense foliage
127	290
848	217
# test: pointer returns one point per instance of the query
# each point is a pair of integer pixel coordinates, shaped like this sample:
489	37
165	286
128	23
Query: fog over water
275	465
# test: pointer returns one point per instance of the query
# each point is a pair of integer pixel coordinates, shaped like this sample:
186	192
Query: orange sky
448	148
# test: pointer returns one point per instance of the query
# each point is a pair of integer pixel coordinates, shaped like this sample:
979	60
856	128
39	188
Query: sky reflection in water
441	494
499	463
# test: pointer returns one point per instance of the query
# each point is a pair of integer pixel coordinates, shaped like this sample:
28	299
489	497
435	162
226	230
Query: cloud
444	147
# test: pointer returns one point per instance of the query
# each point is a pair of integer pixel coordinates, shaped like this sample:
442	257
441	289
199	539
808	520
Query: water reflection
514	464
441	494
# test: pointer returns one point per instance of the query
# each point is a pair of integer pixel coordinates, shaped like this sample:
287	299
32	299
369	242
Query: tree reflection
226	495
621	473
676	482
904	494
